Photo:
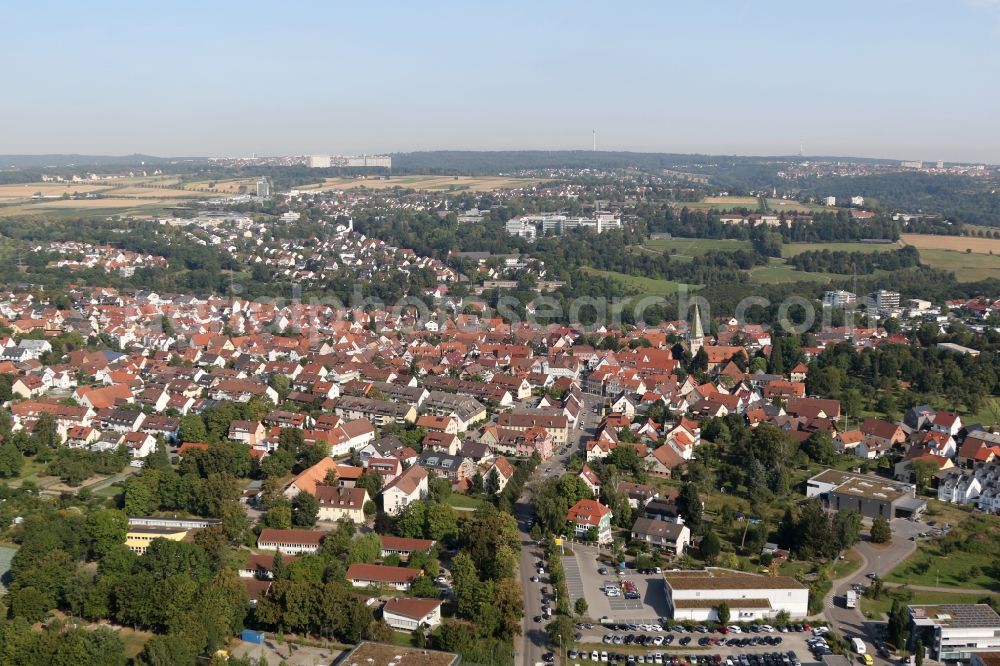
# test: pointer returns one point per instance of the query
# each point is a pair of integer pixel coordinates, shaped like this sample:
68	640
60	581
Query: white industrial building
697	595
547	224
954	632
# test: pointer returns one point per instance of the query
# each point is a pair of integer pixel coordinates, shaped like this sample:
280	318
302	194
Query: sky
904	79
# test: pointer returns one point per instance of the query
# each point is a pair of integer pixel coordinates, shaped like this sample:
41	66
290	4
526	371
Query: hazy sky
913	79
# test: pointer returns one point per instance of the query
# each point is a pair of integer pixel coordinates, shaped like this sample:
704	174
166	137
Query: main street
533	642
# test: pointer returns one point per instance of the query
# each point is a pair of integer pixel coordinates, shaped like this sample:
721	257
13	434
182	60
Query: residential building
336	502
403	546
408	487
673	537
589	514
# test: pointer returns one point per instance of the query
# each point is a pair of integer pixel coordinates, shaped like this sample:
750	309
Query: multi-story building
954	632
839	298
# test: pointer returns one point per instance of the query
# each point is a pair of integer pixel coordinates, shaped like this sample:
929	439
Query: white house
410	486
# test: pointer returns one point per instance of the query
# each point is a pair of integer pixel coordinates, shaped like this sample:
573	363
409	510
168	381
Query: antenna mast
595	140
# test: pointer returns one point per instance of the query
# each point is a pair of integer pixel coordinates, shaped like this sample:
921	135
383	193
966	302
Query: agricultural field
25	191
431	183
721	204
971	259
222	186
70	207
643	285
954	243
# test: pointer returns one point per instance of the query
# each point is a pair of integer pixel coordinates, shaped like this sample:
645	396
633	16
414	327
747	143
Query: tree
364	549
689	505
819	447
923	471
279	516
305	510
710	546
846	531
46	431
372	482
897	626
580	606
881	532
106	528
918	653
11	461
723	612
560	631
192	429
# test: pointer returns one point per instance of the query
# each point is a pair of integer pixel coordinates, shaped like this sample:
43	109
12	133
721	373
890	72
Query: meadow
643	285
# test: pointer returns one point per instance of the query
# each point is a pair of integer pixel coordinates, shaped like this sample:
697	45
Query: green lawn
792	249
643	285
778	272
464	502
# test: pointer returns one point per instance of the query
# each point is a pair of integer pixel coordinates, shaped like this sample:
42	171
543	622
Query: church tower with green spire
696	334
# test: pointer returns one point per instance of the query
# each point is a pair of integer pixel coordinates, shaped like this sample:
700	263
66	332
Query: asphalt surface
878	559
534	642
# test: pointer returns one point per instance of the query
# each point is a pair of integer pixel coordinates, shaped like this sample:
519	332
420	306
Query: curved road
880	559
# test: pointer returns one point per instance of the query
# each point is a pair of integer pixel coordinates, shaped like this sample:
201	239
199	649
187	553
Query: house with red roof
589	514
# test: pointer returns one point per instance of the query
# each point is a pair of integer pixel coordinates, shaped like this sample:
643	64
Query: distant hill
67	161
479	162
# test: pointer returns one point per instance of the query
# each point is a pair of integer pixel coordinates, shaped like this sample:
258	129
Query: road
880	559
533	639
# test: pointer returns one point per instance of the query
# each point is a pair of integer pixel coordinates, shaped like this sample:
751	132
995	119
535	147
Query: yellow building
137	539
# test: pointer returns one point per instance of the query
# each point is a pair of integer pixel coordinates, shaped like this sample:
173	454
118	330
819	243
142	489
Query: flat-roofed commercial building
869	495
697	595
955	632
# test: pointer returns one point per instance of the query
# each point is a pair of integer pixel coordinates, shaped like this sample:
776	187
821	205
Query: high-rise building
263	188
886	301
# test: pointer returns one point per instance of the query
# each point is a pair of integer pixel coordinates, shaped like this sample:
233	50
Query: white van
858	645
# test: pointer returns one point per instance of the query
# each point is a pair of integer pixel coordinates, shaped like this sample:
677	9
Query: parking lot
584	580
678	645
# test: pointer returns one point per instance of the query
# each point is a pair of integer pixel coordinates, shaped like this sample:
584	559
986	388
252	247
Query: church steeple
696	334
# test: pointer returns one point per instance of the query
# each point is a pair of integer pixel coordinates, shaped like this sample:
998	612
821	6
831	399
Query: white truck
851	599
